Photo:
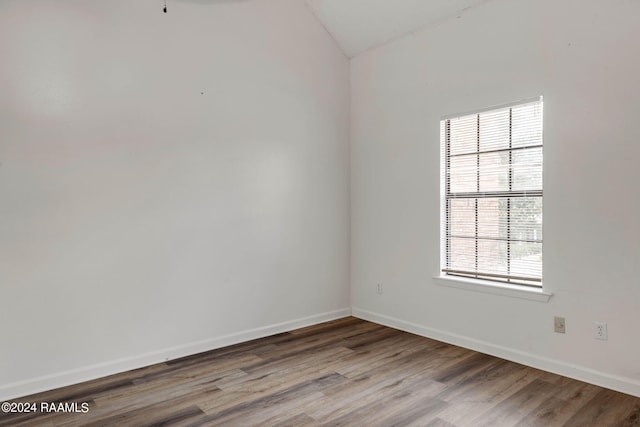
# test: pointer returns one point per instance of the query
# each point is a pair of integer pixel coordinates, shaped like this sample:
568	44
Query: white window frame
482	283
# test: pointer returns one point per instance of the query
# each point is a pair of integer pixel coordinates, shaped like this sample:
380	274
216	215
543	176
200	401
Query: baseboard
621	384
74	376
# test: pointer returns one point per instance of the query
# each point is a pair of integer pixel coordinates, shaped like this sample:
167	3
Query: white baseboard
74	376
621	384
86	373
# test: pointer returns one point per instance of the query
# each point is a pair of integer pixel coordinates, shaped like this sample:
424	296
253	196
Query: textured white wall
582	57
166	180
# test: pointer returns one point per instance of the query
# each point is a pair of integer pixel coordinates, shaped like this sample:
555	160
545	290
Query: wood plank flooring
347	372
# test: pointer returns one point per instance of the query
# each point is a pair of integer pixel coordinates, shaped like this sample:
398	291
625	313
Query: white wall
169	183
582	56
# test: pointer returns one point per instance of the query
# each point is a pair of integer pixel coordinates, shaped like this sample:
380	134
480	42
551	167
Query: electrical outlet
600	331
558	325
379	287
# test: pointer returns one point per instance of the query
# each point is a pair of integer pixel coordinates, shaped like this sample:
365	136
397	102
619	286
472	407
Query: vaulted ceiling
359	25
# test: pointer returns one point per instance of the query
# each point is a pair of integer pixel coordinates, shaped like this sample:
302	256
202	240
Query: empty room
320	212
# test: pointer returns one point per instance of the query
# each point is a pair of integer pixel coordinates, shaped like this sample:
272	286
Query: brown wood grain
345	372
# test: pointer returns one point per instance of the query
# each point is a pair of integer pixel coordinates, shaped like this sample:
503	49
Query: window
492	194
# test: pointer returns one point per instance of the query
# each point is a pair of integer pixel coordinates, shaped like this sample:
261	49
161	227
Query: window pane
463	254
463	174
526	218
527	125
462	213
464	135
492	218
526	259
494	171
494	130
492	256
527	169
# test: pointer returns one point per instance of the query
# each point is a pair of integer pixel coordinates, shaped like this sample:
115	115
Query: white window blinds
492	187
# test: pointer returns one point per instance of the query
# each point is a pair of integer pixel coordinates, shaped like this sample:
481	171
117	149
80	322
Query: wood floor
345	372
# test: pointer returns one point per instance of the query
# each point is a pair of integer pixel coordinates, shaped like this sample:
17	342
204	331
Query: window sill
514	291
